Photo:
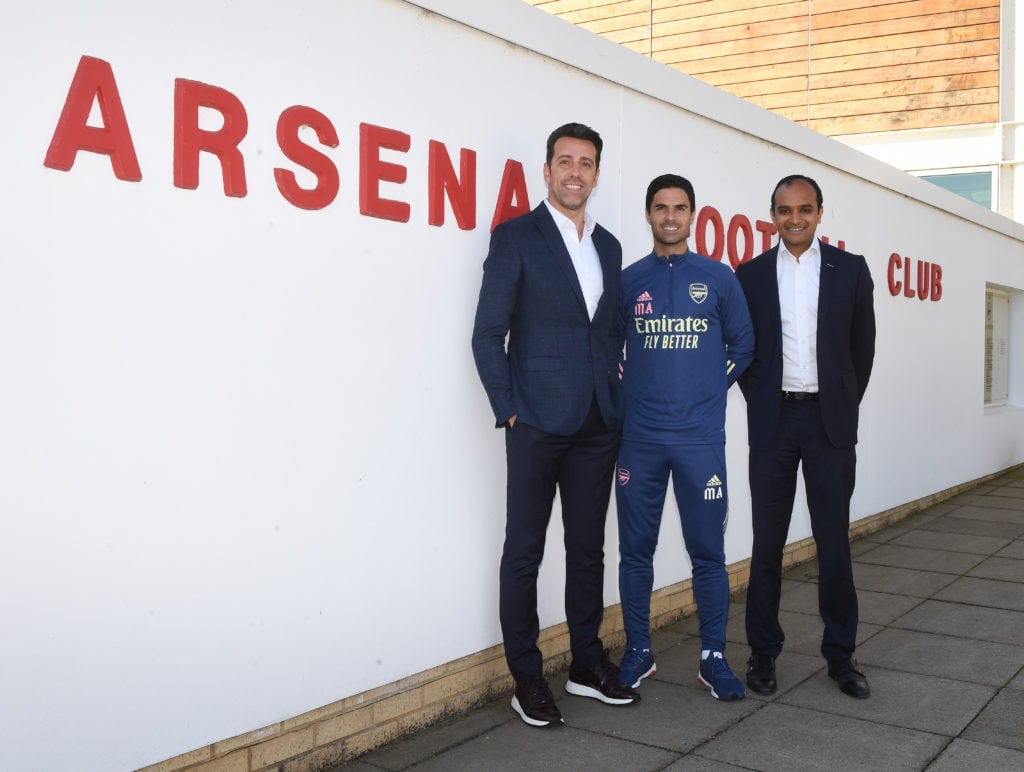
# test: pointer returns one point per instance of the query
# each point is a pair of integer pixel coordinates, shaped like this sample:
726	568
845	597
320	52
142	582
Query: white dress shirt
584	256
798	302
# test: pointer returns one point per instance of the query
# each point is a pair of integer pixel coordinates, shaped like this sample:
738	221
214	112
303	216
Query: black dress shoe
851	680
535	704
601	683
761	674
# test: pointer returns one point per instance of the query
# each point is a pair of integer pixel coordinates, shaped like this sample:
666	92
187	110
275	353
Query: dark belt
800	396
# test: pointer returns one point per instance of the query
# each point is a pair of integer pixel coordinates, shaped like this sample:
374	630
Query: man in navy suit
551	285
814	323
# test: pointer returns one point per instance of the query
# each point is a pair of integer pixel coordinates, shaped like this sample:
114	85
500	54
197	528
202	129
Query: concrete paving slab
935	510
885	535
862	546
899	581
983	624
993	500
803	632
514	747
993	514
908	700
667	717
1000	723
805	572
1005	569
959	659
695	763
942	561
1018	682
1014	549
1015	491
984	592
979	527
790	739
977	757
956	542
442	737
879	608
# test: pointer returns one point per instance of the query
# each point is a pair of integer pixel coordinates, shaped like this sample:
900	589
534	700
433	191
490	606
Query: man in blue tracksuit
688	337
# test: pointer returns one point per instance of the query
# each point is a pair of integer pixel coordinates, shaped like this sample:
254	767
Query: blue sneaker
636	665
716	675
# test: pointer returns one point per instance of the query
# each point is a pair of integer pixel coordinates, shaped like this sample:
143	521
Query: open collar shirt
583	254
798	301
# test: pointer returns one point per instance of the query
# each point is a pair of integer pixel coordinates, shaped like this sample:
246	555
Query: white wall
246	467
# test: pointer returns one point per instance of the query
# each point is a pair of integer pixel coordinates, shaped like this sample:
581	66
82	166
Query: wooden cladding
838	66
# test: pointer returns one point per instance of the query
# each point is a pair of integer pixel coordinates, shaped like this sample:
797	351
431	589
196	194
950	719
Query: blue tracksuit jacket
688	337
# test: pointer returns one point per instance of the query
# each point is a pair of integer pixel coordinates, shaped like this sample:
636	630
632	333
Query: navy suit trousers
829	474
581	466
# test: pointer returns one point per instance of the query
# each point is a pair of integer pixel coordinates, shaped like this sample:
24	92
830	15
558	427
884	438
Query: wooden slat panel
978	96
854	61
871	34
820	51
864	80
919	119
617	23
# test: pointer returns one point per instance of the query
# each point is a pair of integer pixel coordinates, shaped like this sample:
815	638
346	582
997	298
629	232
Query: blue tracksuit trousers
699	483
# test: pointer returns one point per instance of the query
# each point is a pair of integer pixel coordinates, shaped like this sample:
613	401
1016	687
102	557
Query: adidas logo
713	489
644	304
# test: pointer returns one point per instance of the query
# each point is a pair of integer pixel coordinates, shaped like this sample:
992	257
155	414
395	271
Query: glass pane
974	186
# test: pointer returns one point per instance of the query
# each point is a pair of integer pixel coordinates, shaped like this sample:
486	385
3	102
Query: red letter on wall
327	183
93	81
189	139
936	281
442	179
767	230
372	171
513	200
737	224
895	263
908	290
706	215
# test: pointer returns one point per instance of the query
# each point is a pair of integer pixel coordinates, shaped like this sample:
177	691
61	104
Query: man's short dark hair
575	131
796	178
670	181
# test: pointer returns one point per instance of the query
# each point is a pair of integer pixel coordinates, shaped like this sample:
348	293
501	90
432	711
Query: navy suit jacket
557	360
845	341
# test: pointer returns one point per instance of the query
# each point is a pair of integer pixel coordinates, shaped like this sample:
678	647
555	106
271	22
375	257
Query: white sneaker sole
652	671
531	721
589	691
714	694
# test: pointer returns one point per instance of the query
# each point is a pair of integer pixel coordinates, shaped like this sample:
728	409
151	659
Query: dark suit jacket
557	359
846	344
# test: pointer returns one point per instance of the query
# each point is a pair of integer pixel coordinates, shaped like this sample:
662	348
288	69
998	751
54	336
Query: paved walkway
941	641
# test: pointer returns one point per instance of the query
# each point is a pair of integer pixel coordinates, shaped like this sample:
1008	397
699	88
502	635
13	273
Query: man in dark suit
551	284
812	309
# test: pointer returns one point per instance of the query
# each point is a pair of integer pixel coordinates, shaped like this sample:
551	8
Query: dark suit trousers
829	479
581	465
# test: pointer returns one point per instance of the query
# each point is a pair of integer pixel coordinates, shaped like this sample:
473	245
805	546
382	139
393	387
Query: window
974	186
997	330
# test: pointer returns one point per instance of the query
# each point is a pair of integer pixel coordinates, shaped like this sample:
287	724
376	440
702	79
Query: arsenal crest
623	475
698	292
